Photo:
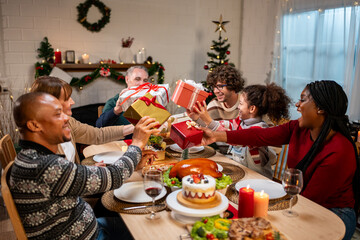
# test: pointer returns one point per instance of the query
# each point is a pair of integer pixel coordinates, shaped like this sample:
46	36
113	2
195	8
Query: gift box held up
130	95
146	106
187	95
185	135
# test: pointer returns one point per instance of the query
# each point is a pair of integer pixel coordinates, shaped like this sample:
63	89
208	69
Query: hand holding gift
146	106
129	95
187	93
186	134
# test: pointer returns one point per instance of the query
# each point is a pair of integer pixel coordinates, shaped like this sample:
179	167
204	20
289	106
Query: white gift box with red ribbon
130	95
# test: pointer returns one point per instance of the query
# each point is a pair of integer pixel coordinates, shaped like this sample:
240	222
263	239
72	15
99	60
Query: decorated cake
198	188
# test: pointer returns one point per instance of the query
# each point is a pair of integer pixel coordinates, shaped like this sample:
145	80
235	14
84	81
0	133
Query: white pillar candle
85	58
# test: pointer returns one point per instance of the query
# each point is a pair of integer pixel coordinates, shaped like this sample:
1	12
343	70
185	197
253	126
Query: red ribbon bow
151	101
148	86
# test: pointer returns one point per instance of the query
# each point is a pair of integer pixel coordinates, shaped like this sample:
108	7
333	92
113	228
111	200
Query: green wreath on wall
83	9
156	72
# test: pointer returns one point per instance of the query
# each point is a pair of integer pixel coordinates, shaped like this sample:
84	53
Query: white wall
258	26
176	33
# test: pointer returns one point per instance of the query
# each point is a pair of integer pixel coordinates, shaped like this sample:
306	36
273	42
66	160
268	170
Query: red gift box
185	136
187	95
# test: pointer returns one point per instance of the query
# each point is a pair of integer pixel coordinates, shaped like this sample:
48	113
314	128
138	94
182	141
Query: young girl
255	102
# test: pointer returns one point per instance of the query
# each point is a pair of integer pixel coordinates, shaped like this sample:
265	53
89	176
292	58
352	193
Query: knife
140	207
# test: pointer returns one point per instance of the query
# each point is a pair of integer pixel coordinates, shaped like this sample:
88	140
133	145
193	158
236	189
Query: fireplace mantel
93	66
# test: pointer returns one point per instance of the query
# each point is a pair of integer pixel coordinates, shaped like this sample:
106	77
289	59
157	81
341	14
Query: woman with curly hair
255	102
226	82
320	145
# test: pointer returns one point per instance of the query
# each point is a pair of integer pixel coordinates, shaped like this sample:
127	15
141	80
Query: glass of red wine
292	183
153	185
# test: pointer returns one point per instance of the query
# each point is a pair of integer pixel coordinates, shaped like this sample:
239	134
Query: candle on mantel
261	204
57	56
85	58
246	202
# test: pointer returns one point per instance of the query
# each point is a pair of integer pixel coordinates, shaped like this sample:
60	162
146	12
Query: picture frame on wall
70	56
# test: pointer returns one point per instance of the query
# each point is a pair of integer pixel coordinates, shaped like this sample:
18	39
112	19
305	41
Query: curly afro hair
228	75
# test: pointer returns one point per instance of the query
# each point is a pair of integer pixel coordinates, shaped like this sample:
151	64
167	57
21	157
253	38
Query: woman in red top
319	144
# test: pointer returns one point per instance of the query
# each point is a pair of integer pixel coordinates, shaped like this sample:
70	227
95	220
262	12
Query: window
316	46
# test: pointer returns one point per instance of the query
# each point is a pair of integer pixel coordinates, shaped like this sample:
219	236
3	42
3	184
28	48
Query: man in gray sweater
46	187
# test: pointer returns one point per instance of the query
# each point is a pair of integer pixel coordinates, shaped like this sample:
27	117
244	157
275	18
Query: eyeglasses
218	87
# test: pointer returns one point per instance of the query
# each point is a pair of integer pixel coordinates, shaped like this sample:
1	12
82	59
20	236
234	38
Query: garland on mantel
104	70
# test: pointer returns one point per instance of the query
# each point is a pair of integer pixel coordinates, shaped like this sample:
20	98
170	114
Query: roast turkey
195	166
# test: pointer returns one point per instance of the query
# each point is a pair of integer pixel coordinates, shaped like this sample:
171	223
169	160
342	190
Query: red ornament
210	94
227	52
206	67
226	63
162	68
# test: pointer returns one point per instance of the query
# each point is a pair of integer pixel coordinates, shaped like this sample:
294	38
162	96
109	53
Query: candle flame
262	192
248	186
57	49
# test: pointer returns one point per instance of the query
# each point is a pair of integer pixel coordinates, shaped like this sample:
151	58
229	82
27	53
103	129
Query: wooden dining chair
281	164
10	204
100	110
7	151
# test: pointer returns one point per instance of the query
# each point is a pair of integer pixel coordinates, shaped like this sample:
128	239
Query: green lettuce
200	229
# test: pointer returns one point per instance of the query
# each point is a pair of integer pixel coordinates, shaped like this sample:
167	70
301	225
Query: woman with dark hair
319	144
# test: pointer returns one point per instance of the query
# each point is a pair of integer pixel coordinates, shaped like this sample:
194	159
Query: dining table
313	220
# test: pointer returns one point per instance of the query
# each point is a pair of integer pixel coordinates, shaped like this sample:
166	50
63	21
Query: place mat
234	172
88	162
114	204
274	204
206	153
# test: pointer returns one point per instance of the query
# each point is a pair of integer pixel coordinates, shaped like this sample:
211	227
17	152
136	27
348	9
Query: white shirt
69	151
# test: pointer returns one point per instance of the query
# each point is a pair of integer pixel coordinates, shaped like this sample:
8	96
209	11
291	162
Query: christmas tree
219	54
220	48
46	51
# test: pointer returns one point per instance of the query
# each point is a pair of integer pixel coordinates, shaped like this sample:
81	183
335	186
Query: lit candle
261	204
57	56
85	58
246	202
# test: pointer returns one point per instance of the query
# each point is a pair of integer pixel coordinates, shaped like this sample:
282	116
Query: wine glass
153	185
292	183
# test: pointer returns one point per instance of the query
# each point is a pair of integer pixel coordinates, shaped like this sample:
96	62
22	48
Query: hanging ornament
226	39
227	52
206	67
222	61
226	63
212	47
218	57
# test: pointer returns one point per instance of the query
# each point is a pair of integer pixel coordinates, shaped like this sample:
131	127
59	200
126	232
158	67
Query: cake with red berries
198	188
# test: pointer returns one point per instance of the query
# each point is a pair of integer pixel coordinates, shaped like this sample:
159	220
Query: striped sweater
46	189
218	111
256	158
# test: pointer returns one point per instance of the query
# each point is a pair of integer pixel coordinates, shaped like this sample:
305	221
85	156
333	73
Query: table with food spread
313	221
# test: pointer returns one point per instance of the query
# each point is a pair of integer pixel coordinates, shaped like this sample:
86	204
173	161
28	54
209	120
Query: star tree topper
220	25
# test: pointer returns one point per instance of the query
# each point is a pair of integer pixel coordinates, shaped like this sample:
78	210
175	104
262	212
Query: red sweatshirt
332	169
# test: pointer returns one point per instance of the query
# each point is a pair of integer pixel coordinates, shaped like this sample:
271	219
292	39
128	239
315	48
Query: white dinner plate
178	208
275	190
176	148
108	157
134	192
